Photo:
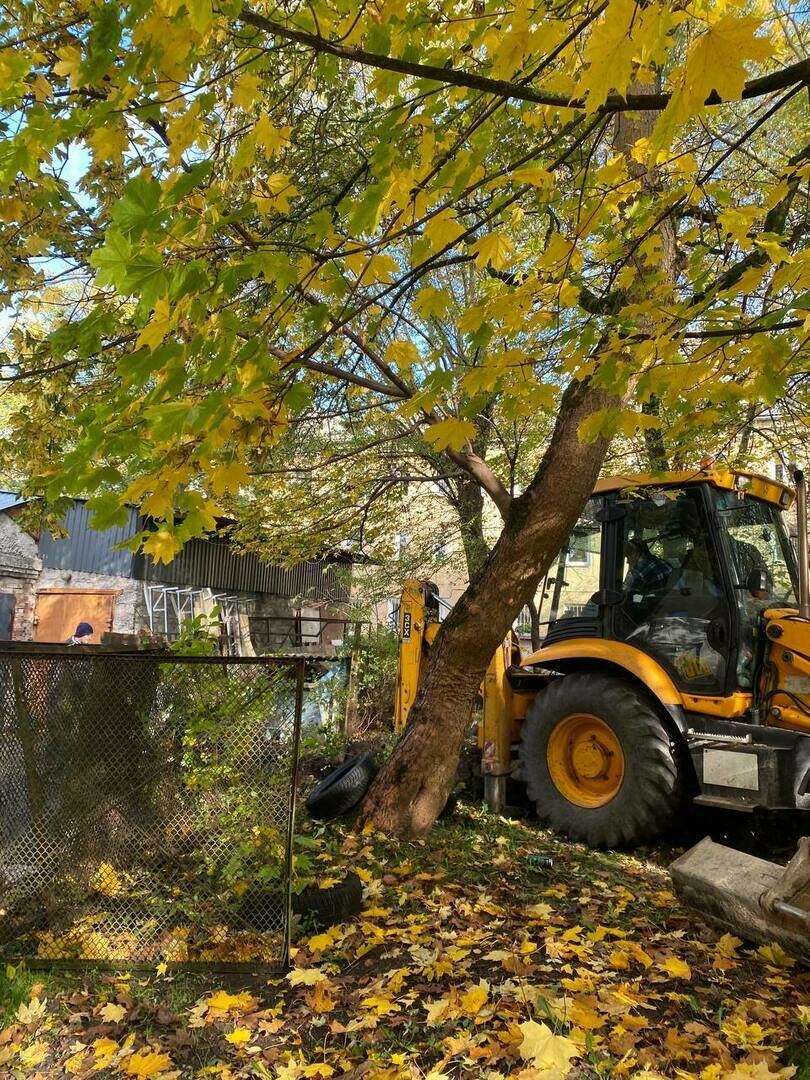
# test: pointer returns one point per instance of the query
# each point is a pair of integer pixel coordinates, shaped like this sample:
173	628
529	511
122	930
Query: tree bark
470	509
534	615
654	442
410	791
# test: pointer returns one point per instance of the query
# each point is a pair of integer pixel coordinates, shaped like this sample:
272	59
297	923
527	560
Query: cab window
673	602
569	591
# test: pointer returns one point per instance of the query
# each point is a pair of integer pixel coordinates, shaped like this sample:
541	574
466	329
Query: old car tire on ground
599	762
328	907
342	789
263	908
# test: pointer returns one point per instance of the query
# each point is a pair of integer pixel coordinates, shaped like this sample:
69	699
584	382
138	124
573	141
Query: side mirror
758	581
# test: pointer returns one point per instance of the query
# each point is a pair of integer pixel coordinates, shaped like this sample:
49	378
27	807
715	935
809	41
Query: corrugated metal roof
215	564
88	549
210	563
8	499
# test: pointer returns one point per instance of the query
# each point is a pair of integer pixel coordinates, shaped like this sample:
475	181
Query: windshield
758	543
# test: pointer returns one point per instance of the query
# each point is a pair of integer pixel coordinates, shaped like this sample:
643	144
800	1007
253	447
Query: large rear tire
599	763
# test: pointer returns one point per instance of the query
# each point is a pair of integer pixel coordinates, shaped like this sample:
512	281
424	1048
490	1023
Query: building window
779	472
579	549
392	613
402	545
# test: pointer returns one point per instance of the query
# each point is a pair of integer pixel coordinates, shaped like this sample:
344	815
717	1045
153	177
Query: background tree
252	200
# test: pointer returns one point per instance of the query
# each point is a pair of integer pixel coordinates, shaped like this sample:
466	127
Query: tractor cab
680	571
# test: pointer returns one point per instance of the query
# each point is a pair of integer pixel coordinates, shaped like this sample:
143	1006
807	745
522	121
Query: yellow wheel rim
585	760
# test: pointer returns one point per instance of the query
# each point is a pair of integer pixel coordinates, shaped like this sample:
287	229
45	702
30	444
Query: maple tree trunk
470	505
412	788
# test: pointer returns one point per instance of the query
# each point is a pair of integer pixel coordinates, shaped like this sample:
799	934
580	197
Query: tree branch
766	84
483	474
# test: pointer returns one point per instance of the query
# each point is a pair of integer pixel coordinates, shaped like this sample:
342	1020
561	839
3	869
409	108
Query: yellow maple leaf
435	1010
775	955
609	54
33	1055
494	249
146	1063
402	353
381	1006
269	137
679	969
442	230
319	942
453	433
158	326
242	1002
715	64
229	477
42	88
70	60
475	999
305	976
727	945
239	1036
75	1063
534	175
161	545
104	1048
112	1013
246	90
545	1050
106	881
31	1012
758	1070
739	1032
108	143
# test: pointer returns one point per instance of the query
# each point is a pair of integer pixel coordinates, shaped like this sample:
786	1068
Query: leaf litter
466	961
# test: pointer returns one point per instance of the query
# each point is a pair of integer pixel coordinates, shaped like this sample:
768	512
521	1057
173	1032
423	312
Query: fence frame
11	652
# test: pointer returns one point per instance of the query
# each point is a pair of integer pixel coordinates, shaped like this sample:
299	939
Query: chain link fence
147	807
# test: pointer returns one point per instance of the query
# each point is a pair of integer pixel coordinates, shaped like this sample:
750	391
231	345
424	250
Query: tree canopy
230	234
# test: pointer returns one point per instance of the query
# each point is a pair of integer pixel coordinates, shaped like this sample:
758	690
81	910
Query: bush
374	662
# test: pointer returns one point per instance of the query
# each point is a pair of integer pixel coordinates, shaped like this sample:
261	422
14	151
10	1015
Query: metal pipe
800	481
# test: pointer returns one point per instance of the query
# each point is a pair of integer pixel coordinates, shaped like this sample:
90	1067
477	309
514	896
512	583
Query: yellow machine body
761	730
417	626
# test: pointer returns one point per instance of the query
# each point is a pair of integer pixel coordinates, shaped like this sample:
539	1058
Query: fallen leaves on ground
467	961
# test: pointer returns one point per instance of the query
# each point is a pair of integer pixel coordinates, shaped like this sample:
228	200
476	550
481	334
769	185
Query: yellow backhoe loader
675	665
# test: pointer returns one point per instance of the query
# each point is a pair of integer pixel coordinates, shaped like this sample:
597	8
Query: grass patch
798	1054
16	984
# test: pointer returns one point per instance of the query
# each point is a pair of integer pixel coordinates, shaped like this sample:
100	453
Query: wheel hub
585	760
590	759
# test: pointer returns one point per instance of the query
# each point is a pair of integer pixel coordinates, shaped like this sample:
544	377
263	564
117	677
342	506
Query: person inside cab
646	572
